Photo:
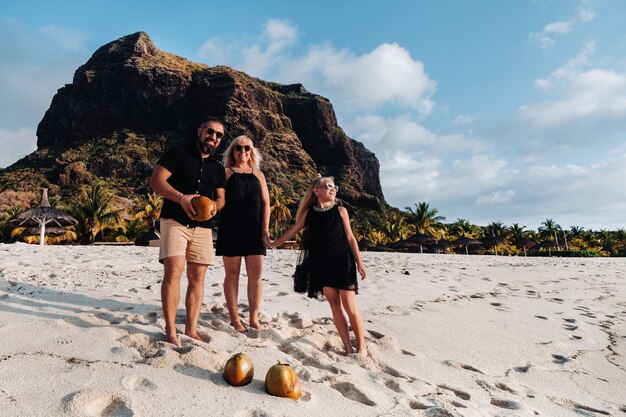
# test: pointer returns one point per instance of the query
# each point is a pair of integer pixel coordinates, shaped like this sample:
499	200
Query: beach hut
466	241
493	242
523	242
421	239
442	245
546	244
42	215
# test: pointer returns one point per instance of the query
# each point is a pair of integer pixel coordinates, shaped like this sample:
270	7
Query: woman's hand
362	271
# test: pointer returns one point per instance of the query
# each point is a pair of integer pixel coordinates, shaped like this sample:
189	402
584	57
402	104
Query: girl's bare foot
238	326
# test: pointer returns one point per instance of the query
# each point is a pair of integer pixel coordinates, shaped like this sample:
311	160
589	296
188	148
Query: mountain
130	100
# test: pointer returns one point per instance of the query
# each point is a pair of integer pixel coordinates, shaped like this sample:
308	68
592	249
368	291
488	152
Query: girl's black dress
326	259
240	231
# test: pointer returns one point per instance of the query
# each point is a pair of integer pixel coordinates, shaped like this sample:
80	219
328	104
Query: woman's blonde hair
309	199
255	156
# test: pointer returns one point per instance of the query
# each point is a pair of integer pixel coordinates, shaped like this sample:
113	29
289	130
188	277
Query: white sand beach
448	335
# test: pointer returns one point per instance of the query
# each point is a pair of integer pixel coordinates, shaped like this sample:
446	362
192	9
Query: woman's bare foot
173	339
258	326
196	336
238	326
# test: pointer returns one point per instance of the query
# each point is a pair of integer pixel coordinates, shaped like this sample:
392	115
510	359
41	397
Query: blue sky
511	111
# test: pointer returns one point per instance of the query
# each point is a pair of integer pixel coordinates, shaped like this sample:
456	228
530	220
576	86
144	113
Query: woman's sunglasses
240	148
330	186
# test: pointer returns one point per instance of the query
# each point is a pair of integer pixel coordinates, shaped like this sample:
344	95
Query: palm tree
279	207
132	230
395	227
606	240
149	208
549	228
95	211
620	235
425	219
463	228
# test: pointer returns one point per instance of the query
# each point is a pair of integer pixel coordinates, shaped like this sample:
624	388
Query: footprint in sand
461	394
542	317
138	383
560	359
98	404
506	404
460	365
578	408
351	392
252	413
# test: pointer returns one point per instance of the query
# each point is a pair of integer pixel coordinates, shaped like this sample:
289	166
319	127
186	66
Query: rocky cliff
130	99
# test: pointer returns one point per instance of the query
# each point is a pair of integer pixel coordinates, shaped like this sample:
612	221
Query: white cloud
16	143
36	63
387	135
496	197
579	94
560	27
387	75
585	14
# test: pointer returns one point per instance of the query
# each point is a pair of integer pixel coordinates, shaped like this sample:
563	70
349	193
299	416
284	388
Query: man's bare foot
362	352
258	326
173	339
238	326
196	336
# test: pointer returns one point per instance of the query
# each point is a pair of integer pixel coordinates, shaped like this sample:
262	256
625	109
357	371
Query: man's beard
206	148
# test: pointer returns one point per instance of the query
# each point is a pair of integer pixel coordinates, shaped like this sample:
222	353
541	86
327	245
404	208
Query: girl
329	250
244	227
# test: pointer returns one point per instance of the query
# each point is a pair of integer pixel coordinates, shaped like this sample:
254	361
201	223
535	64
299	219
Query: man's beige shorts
194	243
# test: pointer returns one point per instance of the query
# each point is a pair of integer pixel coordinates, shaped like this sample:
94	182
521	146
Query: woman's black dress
326	259
240	231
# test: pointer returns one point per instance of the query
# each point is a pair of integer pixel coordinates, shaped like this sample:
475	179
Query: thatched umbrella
365	244
493	241
421	239
50	231
41	215
145	239
546	244
404	244
466	241
522	242
441	244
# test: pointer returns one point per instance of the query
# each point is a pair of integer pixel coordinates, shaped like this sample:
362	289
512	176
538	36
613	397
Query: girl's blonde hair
255	156
309	199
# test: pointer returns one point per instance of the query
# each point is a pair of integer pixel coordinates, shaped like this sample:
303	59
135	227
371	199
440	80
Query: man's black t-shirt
191	174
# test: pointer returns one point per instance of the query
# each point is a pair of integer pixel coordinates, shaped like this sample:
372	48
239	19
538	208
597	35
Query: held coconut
204	207
239	370
281	381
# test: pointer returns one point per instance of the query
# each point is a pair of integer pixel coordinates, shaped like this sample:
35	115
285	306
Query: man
181	174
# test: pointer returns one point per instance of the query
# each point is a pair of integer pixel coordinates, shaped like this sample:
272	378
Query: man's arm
158	182
220	201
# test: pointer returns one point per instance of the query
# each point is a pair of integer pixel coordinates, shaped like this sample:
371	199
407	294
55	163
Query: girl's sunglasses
240	148
330	186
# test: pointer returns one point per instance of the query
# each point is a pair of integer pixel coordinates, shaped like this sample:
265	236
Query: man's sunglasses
240	148
212	132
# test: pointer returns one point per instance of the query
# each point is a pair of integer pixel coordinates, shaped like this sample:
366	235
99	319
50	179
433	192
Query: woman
244	227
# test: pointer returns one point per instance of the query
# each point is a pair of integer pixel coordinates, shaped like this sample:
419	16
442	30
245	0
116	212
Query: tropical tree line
104	216
101	216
